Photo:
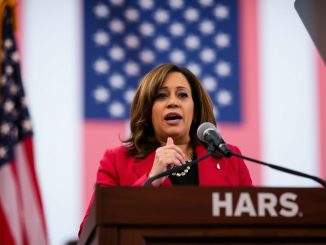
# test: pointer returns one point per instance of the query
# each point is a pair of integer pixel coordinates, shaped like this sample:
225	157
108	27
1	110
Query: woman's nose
173	101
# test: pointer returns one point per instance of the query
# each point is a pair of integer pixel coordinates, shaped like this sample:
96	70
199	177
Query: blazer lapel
211	170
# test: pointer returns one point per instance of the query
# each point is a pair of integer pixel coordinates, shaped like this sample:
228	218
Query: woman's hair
142	140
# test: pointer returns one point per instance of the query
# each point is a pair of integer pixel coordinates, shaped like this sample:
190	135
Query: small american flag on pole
21	213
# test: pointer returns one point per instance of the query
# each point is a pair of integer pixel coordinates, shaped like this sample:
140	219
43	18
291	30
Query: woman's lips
172	118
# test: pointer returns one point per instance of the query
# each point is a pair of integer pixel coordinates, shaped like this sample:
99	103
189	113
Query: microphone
207	133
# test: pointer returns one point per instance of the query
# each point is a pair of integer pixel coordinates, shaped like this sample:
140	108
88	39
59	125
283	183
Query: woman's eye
161	95
183	95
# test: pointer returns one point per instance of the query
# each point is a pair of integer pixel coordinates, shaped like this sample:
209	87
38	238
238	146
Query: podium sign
206	215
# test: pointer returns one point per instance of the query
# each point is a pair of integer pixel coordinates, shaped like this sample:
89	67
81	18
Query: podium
206	215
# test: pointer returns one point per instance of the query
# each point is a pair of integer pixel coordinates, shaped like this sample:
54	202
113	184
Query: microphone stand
286	170
168	172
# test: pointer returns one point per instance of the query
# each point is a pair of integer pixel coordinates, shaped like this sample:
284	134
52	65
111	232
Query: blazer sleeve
108	174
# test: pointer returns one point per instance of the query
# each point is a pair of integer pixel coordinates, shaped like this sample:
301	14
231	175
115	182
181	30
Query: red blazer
116	168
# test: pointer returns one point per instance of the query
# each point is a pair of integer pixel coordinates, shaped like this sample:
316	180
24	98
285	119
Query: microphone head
202	128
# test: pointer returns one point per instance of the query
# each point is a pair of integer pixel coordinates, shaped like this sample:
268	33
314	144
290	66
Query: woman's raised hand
166	157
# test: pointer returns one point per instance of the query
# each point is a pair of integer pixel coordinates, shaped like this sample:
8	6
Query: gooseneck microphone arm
207	133
283	169
168	172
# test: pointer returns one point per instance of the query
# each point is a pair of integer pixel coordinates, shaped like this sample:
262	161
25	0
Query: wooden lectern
206	215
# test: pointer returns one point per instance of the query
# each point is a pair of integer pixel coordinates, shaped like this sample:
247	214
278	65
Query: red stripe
29	150
321	73
99	136
13	168
246	135
5	237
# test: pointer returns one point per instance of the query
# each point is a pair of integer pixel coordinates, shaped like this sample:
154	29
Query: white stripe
53	71
31	212
9	202
288	90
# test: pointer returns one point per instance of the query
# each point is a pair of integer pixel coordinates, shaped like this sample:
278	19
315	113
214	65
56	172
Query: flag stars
101	38
161	16
146	29
221	12
3	152
206	27
14	89
176	4
117	2
132	41
15	57
147	56
207	55
27	125
23	101
101	66
132	14
223	69
210	83
146	4
177	56
117	26
117	53
116	109
222	40
101	11
8	43
5	128
206	3
191	14
162	43
192	42
177	29
129	95
188	34
9	106
195	68
224	98
117	81
9	69
132	68
101	94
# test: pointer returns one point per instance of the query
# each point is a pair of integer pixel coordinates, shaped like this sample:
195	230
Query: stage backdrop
82	61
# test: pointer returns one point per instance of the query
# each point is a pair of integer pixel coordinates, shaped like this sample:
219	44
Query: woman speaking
169	105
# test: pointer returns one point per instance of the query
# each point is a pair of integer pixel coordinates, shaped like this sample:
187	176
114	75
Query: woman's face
173	109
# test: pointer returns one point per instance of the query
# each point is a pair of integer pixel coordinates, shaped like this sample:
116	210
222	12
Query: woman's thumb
169	141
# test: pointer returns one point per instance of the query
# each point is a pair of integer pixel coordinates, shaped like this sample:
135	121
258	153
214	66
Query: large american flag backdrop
123	40
22	218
